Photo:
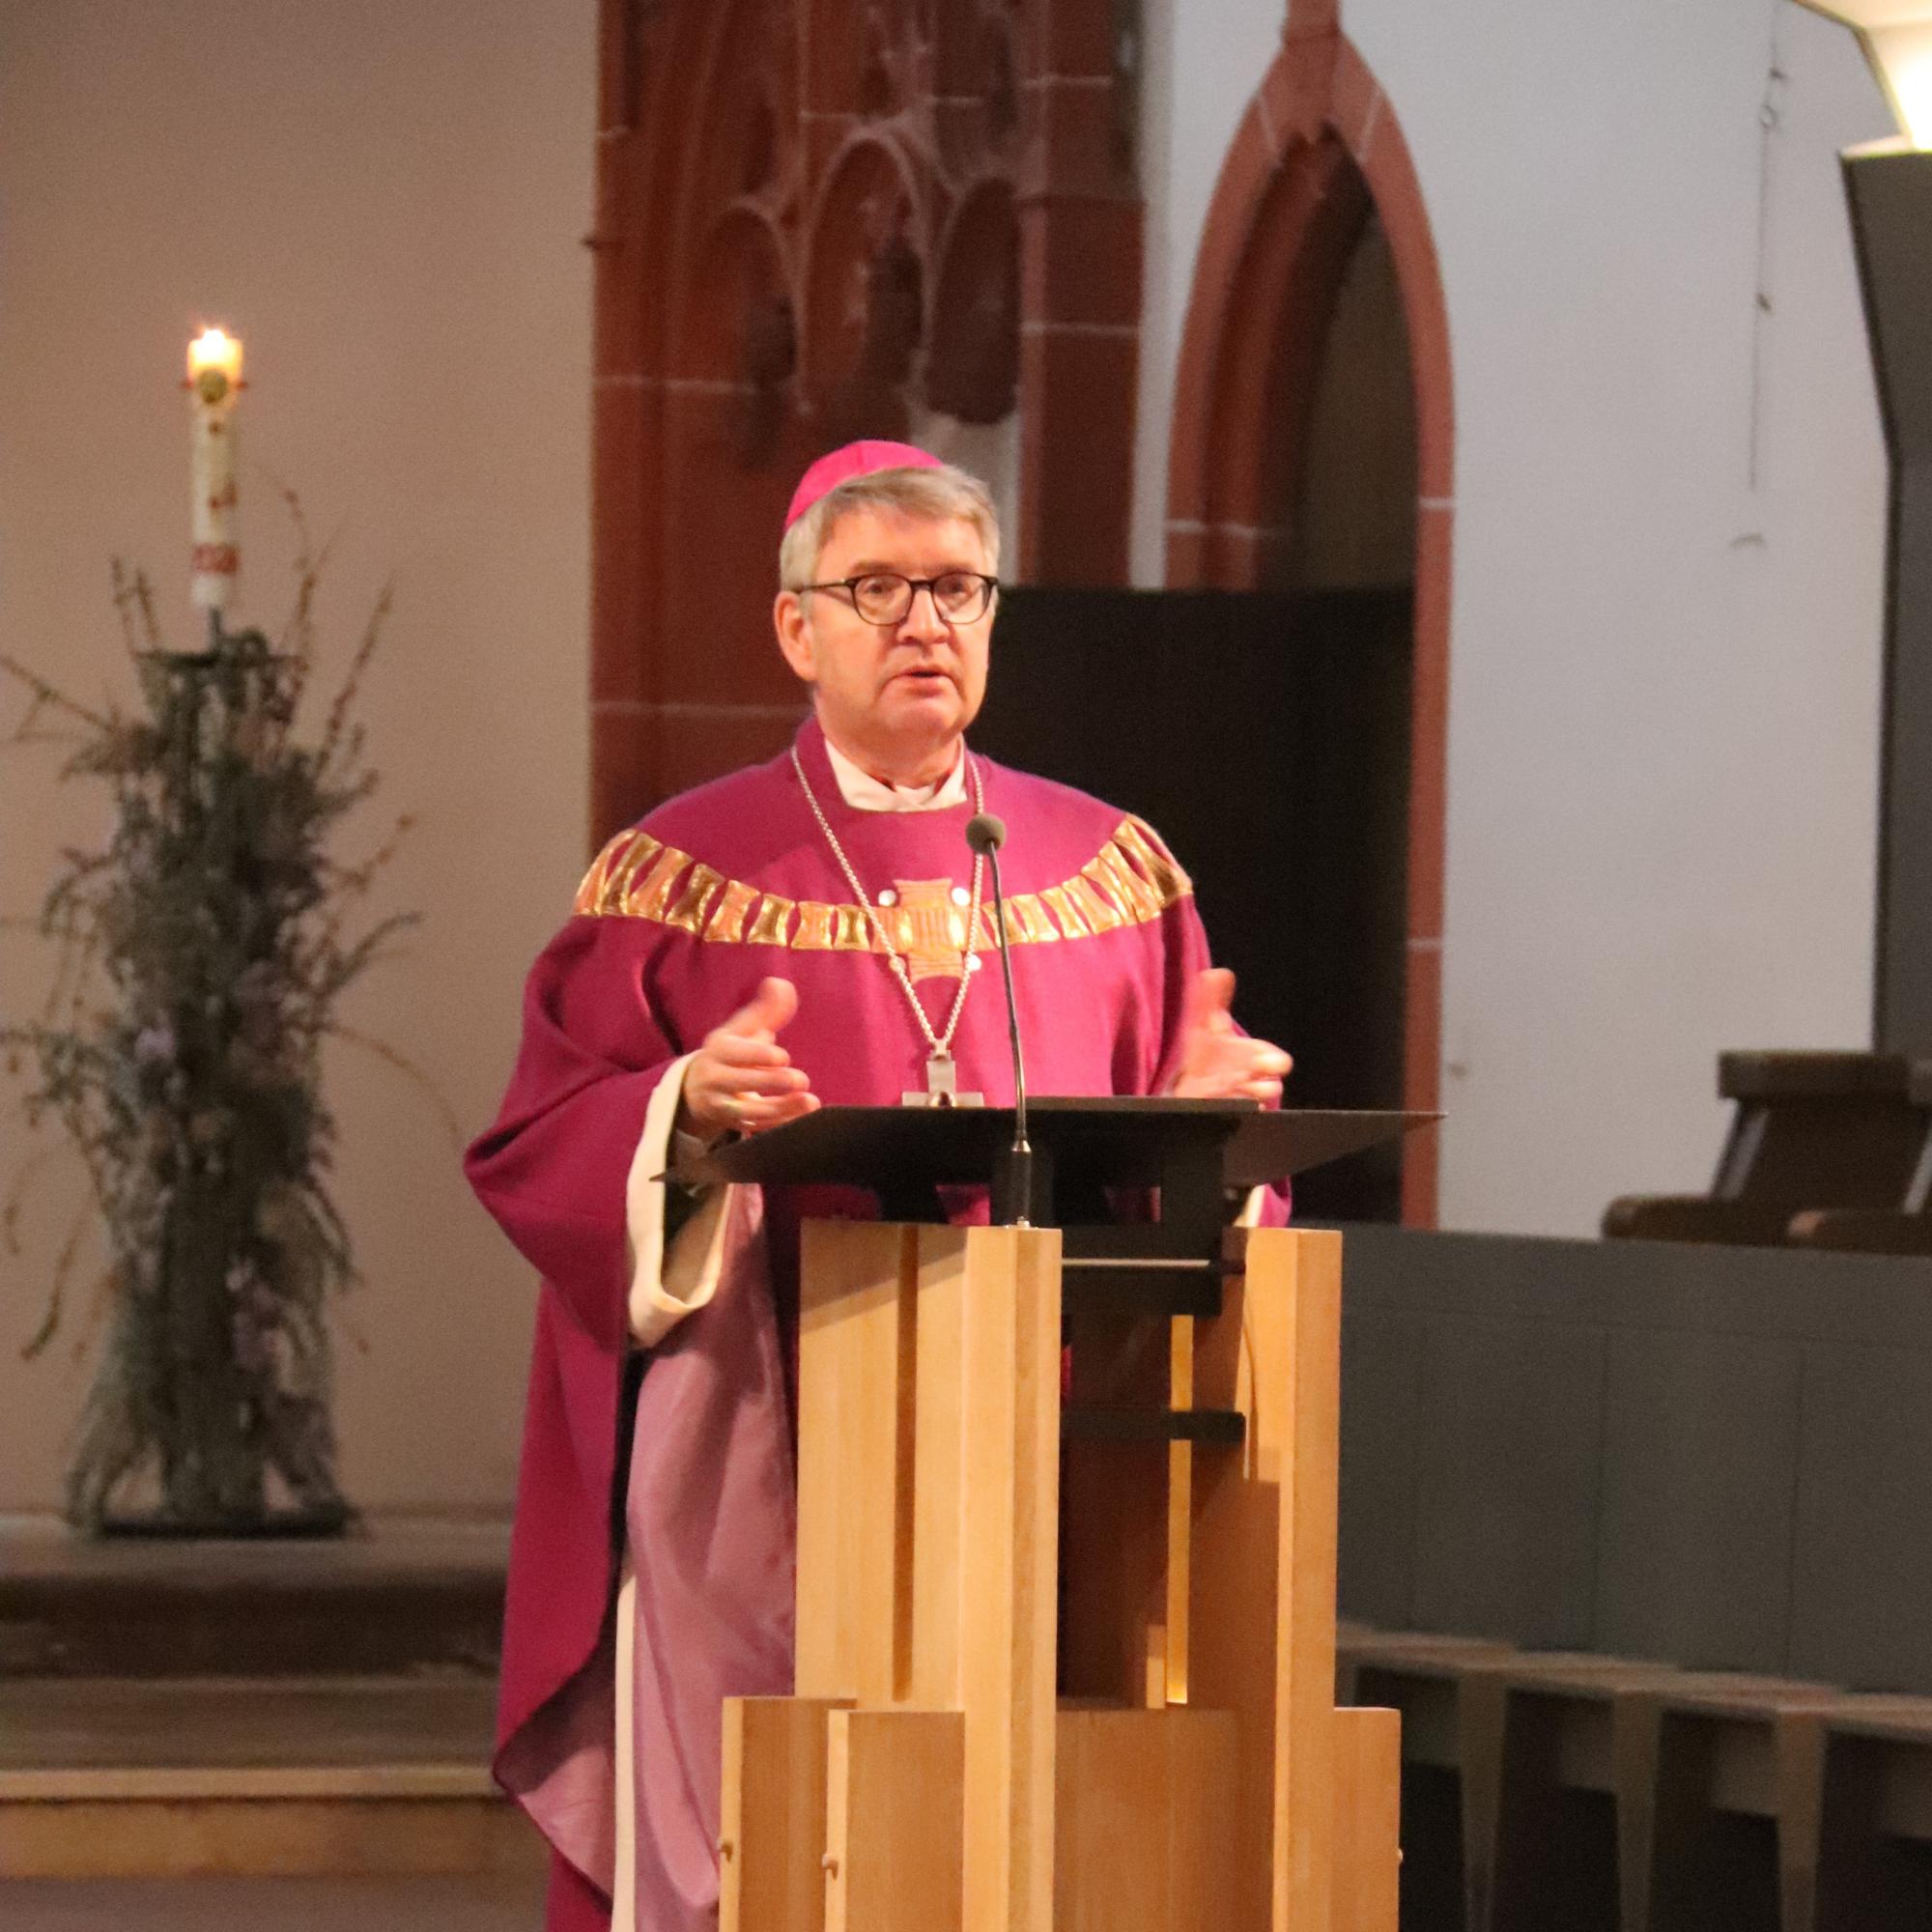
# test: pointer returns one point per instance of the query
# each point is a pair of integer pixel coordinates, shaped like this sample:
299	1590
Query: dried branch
47	696
352	683
70	1251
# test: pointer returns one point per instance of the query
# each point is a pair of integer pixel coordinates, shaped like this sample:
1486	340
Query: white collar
865	793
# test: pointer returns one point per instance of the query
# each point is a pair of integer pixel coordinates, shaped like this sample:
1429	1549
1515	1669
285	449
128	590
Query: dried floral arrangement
200	957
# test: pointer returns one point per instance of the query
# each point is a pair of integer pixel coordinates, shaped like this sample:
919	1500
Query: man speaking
810	931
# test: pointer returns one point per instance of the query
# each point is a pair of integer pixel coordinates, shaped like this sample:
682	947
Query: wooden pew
1811	1131
1577	1791
1875	1828
1903	1229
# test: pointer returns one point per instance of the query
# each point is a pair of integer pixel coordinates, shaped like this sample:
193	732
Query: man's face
896	694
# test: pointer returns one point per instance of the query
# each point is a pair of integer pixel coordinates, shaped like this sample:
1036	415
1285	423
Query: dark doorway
1266	736
1349	522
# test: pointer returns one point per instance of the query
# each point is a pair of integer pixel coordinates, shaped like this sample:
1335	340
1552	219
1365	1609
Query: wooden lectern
1065	1660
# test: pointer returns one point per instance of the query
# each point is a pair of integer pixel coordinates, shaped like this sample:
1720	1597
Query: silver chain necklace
942	1079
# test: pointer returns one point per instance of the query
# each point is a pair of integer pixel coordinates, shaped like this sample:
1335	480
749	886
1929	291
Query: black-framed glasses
884	597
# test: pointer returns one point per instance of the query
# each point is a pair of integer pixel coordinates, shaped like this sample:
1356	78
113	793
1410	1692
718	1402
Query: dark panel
1700	1473
1861	1587
1266	737
1904	993
1510	1441
1891	198
1219	1428
1382	1398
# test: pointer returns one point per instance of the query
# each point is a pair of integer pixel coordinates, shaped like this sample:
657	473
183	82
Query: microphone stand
1012	1184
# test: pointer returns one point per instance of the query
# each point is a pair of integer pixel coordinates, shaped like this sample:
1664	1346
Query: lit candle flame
215	348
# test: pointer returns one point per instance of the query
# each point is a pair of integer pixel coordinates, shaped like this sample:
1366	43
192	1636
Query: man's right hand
741	1079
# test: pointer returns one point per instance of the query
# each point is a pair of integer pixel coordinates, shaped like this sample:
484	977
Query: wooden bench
1903	1229
1601	1794
1450	1719
1874	1866
1812	1132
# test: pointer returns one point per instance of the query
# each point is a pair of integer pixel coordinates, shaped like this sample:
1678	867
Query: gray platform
1717	1458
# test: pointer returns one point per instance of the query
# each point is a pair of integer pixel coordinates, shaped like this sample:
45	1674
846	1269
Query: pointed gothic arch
1319	145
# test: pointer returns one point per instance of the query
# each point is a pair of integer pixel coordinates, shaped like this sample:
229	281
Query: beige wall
386	198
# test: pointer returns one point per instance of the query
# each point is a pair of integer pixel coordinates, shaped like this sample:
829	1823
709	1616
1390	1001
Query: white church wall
385	198
1669	513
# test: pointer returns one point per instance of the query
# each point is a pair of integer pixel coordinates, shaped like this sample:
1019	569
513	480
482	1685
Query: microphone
1012	1189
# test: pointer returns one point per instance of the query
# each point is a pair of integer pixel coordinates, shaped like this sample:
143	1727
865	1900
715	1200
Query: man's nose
922	619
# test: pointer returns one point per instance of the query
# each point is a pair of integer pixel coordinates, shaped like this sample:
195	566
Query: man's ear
794	634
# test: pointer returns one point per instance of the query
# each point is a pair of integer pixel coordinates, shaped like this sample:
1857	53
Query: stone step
324	1776
394	1595
496	1902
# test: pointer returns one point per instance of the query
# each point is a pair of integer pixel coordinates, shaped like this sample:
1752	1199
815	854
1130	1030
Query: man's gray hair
931	496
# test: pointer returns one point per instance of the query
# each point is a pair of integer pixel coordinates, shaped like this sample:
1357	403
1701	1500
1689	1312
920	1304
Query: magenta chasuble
675	924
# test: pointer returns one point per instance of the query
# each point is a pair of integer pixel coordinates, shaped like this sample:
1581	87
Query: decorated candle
214	382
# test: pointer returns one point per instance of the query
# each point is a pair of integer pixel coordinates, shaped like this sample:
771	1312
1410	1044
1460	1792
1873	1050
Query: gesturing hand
1218	1061
741	1077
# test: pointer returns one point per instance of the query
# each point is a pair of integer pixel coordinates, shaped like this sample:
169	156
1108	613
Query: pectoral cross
942	1087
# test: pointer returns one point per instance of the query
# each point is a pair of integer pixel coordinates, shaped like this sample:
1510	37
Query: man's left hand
1217	1060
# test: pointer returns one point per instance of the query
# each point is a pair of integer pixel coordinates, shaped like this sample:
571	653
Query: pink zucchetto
855	459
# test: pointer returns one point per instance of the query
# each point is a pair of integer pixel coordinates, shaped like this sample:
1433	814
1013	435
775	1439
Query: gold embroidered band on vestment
1132	879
